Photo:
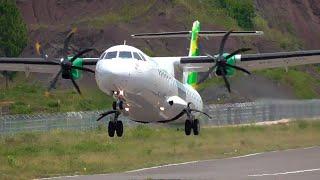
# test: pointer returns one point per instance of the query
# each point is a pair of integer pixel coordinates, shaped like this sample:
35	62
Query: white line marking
285	173
167	165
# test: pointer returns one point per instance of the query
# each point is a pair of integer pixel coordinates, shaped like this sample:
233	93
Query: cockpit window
111	55
136	56
125	54
142	57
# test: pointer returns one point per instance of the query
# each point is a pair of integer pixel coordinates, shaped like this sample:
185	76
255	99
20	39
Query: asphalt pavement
289	164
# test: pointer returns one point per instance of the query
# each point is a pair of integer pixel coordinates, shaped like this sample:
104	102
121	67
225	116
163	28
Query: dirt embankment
299	17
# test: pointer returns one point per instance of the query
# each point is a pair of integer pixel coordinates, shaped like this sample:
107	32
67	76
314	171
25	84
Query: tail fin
191	78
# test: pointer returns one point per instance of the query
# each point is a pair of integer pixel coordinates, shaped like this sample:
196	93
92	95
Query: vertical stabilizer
191	78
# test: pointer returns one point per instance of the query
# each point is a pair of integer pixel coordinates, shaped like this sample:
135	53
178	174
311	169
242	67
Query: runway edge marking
285	173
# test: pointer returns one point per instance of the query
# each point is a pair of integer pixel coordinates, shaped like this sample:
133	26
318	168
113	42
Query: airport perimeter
226	114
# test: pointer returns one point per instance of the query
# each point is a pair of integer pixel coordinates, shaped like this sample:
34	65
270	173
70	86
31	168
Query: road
290	164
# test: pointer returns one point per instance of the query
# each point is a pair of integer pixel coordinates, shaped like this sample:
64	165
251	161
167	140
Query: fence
244	113
239	113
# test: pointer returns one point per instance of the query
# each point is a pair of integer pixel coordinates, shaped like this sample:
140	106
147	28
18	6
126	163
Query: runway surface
289	164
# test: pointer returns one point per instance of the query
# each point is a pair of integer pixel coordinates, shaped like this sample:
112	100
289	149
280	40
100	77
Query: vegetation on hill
13	31
243	11
56	153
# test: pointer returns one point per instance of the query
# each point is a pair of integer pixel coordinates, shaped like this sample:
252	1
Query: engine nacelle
77	74
228	71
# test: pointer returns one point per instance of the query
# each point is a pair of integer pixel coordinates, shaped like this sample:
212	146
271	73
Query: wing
186	34
39	65
255	61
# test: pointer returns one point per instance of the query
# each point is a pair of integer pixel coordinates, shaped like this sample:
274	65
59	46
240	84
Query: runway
289	164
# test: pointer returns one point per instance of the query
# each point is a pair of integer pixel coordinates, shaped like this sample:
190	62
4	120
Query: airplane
156	89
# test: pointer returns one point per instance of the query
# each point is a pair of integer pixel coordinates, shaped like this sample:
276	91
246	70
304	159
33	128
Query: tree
13	32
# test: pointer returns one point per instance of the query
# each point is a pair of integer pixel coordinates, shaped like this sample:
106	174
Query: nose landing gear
191	124
115	126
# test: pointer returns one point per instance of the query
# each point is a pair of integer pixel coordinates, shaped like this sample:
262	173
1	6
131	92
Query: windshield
111	55
125	54
136	56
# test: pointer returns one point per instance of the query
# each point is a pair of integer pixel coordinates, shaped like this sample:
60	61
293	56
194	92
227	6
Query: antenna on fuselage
124	42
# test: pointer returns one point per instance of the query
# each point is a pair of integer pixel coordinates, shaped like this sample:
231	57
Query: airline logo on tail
192	78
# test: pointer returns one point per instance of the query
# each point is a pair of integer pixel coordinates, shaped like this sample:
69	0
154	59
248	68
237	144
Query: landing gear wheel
119	128
196	127
187	127
111	128
114	105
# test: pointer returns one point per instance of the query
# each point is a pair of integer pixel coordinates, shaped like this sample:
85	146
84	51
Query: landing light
121	93
162	108
127	109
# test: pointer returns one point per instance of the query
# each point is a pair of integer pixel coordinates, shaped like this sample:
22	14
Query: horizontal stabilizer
187	34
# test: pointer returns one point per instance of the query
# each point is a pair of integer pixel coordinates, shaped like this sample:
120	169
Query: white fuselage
146	86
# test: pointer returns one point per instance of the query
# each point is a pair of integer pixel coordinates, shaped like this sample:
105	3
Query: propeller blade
67	41
106	114
206	76
83	69
75	85
223	42
239	68
54	81
80	54
226	80
195	110
242	50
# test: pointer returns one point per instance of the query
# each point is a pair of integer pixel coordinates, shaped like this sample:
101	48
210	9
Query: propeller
66	65
221	62
188	110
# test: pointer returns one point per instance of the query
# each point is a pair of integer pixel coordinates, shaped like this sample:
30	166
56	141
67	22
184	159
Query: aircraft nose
113	74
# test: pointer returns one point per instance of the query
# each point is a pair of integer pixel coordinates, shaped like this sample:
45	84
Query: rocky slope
102	24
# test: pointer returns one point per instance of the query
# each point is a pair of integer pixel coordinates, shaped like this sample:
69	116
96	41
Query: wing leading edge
39	65
255	61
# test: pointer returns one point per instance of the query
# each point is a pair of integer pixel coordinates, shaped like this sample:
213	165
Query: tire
196	127
119	128
187	127
111	128
114	105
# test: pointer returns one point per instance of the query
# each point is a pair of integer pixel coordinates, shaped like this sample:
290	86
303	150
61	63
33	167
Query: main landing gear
192	125
115	126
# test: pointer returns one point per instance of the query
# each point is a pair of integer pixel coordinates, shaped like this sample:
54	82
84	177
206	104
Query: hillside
288	25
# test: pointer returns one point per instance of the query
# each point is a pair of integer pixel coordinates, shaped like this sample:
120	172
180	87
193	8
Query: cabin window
111	55
136	56
125	54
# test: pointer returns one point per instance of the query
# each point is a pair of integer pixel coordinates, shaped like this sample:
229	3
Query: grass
303	84
34	155
30	98
207	12
127	12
